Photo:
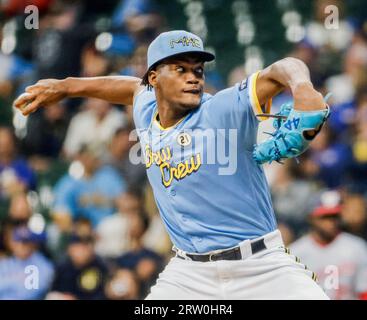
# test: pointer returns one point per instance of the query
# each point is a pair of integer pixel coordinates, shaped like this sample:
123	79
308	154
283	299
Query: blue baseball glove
294	131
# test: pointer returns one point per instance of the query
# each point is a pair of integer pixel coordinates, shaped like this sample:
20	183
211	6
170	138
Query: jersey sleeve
254	101
143	107
237	107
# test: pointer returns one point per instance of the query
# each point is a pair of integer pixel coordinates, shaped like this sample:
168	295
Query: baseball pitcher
220	218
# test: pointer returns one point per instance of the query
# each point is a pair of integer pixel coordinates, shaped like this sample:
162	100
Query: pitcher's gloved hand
294	131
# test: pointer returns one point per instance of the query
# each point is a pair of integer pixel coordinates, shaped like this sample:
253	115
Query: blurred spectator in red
88	191
96	124
113	232
15	174
82	275
127	164
338	258
26	274
144	262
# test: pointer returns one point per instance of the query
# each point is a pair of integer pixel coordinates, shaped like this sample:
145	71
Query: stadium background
99	247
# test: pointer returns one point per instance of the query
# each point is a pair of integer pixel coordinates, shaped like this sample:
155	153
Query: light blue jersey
209	191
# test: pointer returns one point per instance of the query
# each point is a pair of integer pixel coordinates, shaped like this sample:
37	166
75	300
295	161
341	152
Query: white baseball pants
272	273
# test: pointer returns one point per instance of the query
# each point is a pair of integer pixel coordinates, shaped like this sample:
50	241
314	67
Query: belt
229	254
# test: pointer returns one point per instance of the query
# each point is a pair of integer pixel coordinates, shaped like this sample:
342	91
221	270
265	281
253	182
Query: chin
192	104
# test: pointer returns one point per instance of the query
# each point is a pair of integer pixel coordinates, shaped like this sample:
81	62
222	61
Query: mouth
193	91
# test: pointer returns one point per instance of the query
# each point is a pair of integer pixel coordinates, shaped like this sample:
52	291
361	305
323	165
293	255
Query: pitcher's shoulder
143	95
144	106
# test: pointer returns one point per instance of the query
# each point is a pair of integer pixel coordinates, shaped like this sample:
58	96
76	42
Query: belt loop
181	253
273	239
245	248
174	249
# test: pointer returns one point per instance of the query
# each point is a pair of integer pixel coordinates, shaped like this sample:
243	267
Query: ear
152	78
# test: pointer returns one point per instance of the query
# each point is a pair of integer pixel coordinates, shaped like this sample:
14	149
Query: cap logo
185	41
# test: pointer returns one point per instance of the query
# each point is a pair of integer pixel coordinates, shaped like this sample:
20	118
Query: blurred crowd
74	197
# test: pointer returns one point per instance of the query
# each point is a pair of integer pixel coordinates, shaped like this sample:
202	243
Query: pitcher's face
180	81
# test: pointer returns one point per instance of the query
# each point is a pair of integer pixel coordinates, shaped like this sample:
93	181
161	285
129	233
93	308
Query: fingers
32	89
32	107
29	88
35	96
23	100
27	97
30	100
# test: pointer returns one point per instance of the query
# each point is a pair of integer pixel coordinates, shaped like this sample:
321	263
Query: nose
192	78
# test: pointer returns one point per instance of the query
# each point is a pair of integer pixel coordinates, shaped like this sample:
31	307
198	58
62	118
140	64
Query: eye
199	71
180	69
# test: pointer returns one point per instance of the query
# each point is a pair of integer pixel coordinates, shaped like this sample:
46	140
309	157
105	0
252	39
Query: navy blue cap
172	43
24	234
